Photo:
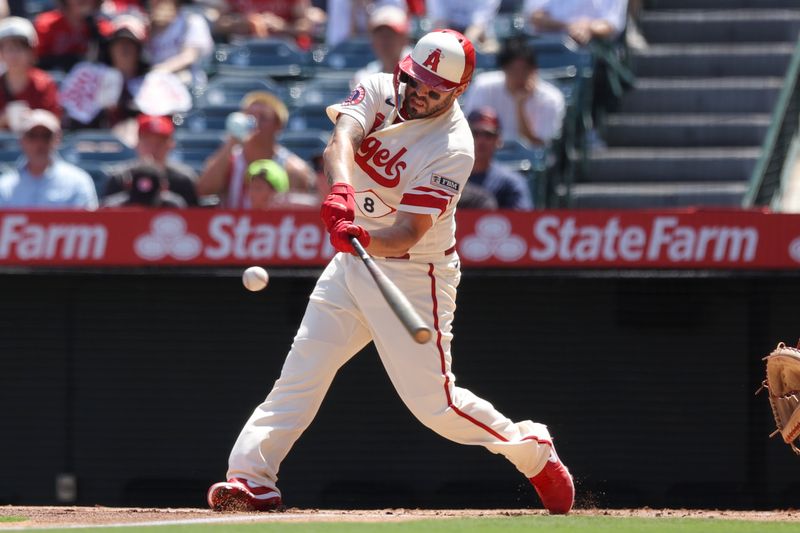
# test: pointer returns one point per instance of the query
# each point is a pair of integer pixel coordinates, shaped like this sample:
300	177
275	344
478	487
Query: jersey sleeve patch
447	183
356	96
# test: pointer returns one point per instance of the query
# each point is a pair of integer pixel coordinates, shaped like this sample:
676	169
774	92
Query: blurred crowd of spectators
127	65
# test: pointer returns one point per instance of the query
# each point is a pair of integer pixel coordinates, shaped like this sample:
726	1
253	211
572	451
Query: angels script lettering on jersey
379	163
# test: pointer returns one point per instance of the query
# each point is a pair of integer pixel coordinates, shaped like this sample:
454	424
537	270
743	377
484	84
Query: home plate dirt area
76	516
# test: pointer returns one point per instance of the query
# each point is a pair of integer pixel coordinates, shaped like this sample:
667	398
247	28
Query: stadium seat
229	90
8	139
210	117
94	146
193	147
350	55
570	68
261	57
307	144
9	155
324	89
419	27
100	173
555	51
531	163
565	80
521	157
309	117
507	25
485	61
510	6
34	7
10	149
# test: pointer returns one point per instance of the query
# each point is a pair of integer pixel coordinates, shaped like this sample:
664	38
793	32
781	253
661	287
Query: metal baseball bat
397	301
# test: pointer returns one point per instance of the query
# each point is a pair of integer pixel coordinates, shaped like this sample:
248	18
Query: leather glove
341	233
340	204
783	385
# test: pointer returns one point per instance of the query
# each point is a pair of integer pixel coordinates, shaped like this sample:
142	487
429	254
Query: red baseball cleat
554	486
239	494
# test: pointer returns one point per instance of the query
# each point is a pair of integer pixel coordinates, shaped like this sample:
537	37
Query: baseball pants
344	313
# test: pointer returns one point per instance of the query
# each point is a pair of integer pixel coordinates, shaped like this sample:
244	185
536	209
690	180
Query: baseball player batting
399	156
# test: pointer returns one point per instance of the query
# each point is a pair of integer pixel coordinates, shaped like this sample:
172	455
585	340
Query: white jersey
544	108
612	11
417	166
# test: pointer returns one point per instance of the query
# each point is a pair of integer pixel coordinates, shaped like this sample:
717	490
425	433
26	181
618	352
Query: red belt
408	256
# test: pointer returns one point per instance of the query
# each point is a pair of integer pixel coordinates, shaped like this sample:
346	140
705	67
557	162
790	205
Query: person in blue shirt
509	188
41	179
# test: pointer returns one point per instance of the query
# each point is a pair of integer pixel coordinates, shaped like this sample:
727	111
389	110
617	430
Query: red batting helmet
442	59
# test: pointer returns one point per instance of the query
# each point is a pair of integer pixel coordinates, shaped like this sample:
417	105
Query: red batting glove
341	233
340	204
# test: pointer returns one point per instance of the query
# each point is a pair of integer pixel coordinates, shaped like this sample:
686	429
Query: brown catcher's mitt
783	385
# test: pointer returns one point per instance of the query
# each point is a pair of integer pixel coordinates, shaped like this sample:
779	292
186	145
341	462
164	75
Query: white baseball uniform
418	166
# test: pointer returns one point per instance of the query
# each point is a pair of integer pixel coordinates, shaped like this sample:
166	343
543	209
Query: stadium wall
138	383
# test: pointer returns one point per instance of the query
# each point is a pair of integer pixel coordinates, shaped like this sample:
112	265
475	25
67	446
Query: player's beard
430	109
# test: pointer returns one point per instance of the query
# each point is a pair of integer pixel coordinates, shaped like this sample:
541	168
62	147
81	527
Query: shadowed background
138	385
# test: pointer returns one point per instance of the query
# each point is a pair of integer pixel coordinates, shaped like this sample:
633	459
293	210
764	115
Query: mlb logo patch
356	96
447	183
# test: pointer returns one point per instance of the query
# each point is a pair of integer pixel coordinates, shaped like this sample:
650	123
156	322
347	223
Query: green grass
572	524
12	518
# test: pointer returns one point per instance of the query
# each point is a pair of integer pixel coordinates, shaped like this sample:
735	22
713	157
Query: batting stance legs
343	315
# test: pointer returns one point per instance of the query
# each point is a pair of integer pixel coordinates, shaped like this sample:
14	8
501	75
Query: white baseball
255	278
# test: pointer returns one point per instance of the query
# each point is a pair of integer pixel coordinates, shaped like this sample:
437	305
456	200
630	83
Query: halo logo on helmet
433	60
442	59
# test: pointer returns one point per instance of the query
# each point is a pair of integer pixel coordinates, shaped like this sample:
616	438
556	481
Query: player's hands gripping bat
342	231
340	204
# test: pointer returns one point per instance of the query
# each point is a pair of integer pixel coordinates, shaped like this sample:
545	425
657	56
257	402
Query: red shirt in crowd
57	37
416	7
285	9
282	8
118	7
41	92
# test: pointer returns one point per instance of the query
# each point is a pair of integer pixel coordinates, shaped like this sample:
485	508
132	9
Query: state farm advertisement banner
705	239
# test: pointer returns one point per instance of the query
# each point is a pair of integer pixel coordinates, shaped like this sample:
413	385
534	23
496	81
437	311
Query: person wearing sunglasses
398	159
41	178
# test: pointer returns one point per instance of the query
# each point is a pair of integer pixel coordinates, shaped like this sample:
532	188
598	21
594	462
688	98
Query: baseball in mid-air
255	278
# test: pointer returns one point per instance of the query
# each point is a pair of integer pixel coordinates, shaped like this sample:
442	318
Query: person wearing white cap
22	83
388	29
41	179
398	159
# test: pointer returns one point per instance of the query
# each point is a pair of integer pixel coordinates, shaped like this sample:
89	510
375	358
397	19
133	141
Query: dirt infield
78	516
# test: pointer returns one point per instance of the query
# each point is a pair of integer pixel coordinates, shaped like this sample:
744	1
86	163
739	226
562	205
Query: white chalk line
254	518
